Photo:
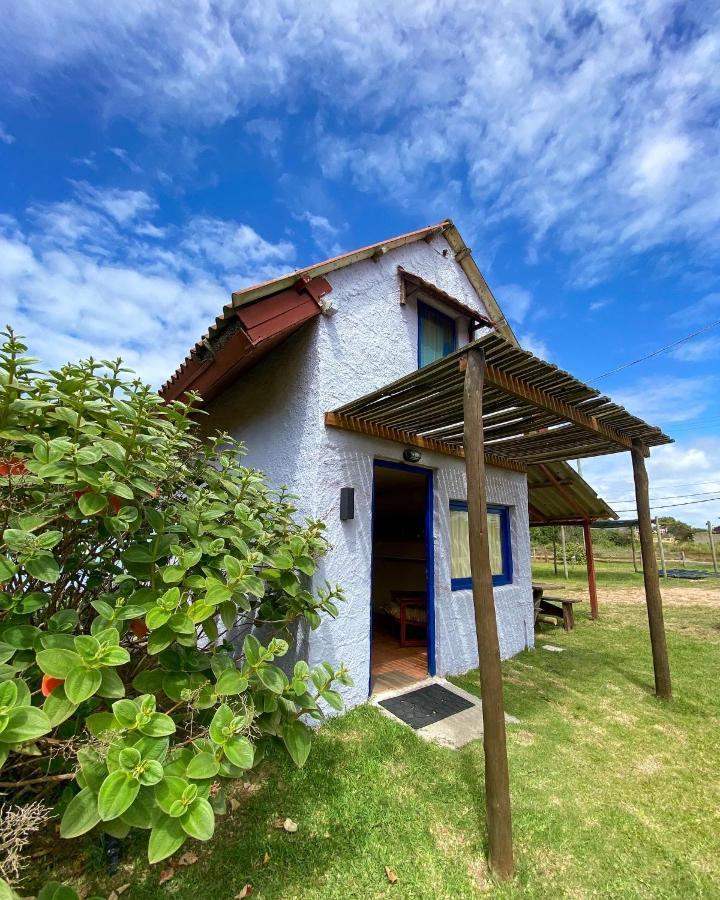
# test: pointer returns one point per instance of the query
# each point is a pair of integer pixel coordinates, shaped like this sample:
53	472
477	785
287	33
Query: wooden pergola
492	403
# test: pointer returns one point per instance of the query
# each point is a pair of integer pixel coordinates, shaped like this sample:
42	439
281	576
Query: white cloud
514	301
533	344
666	399
697	350
698	313
593	124
675	471
5	136
324	234
597	305
91	276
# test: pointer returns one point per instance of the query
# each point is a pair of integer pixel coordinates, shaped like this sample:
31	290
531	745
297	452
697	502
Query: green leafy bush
136	559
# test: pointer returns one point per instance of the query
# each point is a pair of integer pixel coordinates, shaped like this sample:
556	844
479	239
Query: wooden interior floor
393	666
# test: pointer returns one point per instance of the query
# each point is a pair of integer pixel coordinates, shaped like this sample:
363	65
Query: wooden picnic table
549	606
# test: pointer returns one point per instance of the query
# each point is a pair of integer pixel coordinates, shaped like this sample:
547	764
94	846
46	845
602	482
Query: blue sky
156	156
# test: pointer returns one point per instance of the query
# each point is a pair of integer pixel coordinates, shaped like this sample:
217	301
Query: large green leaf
81	814
240	751
7	568
111	684
99	723
222	718
231	682
82	683
116	794
44	567
8	693
22	637
57	662
57	707
273	678
169	791
157	617
199	820
90	504
143	811
166	837
159	725
297	738
204	765
25	723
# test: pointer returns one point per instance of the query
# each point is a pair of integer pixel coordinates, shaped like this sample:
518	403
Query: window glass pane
498	525
495	541
437	335
459	544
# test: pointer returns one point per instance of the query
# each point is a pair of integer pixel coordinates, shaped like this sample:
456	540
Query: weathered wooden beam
572	502
549	484
497	776
653	597
536	514
360	426
590	564
519	388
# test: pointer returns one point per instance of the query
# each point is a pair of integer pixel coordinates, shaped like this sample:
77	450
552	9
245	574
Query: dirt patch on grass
672	596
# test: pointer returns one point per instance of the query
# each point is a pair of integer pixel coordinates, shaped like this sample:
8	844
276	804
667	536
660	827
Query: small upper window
498	521
437	335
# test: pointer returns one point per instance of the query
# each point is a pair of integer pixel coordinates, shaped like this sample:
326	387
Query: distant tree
680	531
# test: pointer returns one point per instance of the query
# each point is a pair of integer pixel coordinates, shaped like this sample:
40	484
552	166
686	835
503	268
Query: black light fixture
412	455
347	503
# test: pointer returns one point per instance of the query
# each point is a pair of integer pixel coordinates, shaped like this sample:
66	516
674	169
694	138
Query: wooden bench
549	607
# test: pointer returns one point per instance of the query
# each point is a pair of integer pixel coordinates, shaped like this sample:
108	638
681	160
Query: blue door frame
429	556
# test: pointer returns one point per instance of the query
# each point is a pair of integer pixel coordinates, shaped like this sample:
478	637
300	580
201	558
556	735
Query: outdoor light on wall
347	503
412	455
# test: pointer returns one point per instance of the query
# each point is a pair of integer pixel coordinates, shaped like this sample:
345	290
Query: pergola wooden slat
546	413
492	403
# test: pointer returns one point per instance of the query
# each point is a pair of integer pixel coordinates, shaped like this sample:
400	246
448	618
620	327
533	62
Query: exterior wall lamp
412	455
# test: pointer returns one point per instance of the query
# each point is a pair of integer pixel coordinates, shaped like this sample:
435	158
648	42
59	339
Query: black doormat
426	705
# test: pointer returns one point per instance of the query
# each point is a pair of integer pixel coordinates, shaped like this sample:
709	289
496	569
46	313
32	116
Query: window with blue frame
437	334
498	519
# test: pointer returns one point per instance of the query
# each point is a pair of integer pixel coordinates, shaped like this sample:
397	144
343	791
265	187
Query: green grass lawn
615	794
612	575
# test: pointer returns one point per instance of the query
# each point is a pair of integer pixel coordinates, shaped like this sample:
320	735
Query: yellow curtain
460	543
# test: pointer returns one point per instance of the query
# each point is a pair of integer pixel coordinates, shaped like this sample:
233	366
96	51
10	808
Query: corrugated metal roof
558	495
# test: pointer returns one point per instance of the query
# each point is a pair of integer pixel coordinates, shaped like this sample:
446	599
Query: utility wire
669	505
668	497
634	362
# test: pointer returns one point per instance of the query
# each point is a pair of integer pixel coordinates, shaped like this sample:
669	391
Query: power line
670	505
668	497
634	362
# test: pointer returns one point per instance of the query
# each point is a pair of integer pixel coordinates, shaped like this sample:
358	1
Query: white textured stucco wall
278	410
348	461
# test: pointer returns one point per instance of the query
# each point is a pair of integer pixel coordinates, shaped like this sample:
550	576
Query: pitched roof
256	292
558	495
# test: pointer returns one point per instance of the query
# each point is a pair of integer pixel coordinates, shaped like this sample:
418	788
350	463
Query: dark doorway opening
402	608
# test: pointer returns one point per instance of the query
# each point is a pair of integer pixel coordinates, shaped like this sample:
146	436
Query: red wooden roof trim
255	330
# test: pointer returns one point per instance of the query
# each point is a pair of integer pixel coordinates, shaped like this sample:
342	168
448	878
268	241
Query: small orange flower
49	684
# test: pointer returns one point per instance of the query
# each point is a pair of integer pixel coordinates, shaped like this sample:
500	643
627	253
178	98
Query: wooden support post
564	551
663	567
632	541
590	563
497	777
653	597
712	546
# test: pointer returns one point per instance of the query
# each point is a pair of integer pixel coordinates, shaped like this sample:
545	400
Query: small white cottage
285	354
